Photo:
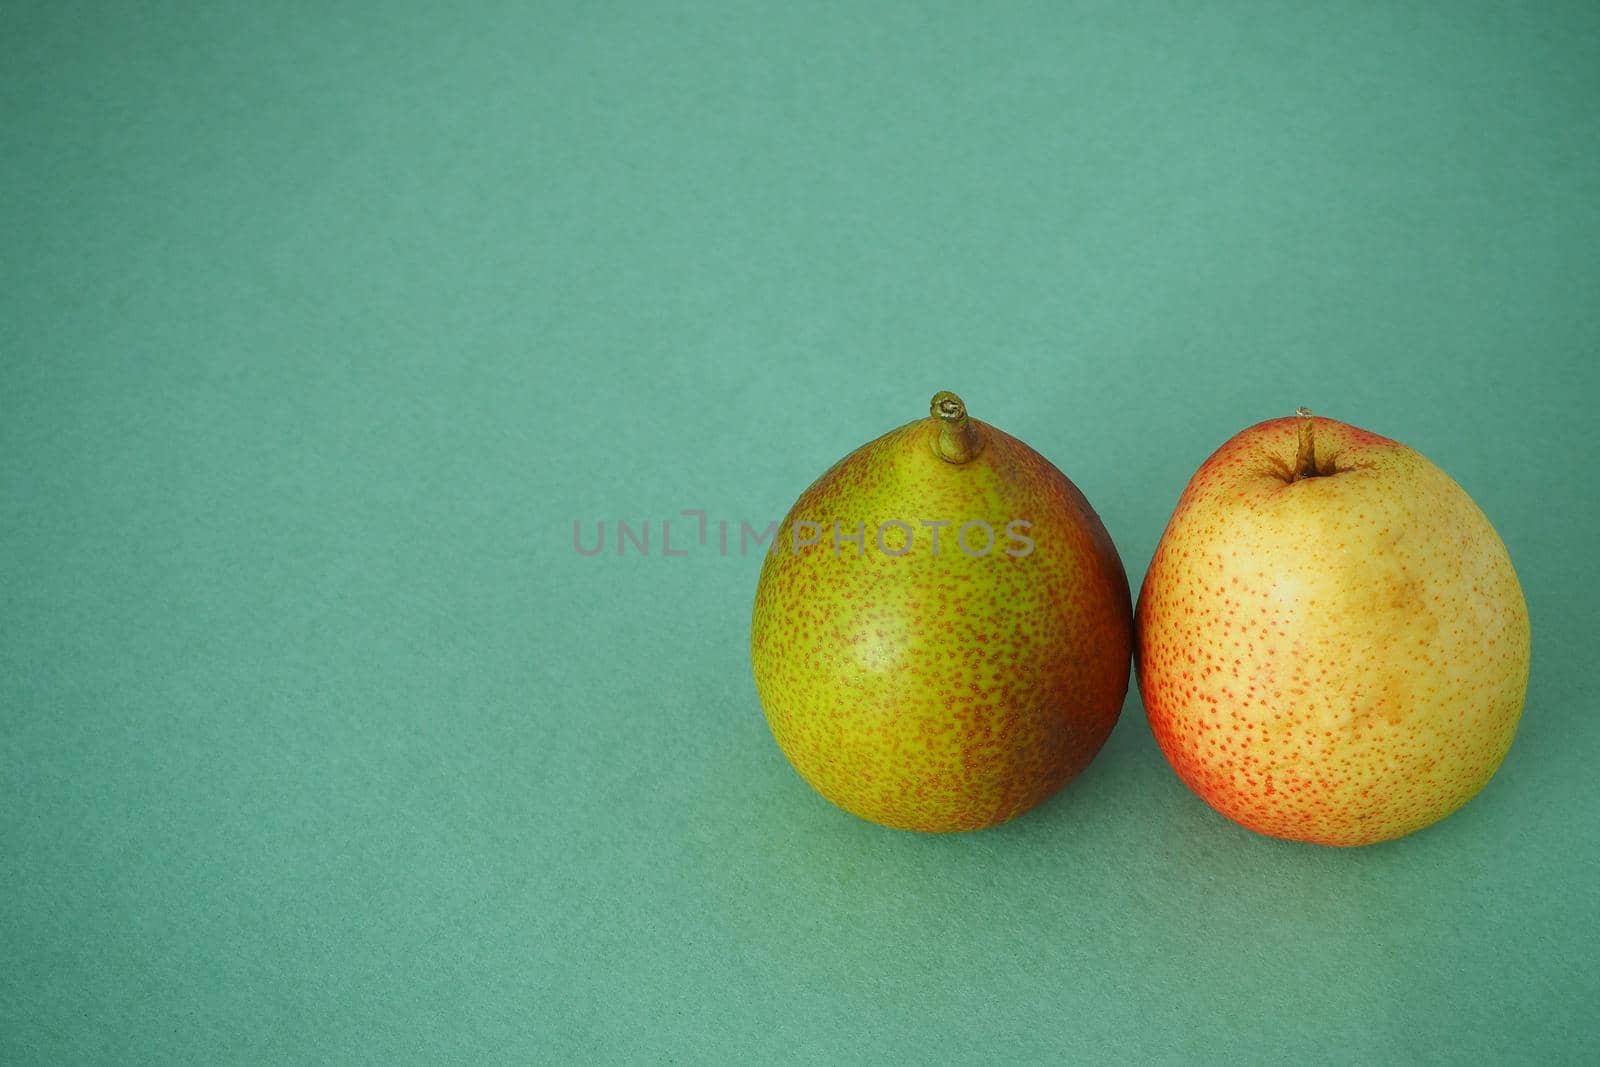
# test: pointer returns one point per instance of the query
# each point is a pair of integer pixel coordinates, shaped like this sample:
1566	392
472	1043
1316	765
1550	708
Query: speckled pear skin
942	693
1340	659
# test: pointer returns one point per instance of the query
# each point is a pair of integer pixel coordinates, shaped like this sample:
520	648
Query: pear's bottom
974	773
1321	808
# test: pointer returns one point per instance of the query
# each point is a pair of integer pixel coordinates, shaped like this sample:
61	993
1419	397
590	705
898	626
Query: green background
322	323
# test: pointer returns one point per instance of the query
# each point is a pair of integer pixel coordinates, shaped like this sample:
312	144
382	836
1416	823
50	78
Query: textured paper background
321	323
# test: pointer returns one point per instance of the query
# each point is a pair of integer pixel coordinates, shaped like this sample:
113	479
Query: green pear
943	628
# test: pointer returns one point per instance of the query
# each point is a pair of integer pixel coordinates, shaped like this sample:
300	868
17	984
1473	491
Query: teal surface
322	323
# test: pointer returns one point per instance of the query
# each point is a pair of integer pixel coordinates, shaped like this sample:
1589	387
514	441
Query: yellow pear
1332	643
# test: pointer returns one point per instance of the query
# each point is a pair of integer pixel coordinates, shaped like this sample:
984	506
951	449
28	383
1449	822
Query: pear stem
958	440
1305	459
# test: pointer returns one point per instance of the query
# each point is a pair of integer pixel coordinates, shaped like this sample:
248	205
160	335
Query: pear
942	632
1332	643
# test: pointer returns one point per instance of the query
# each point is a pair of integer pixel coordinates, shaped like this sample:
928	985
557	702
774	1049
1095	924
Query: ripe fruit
932	675
1333	646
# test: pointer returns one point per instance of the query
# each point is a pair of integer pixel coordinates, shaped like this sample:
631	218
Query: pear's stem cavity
958	440
1305	459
